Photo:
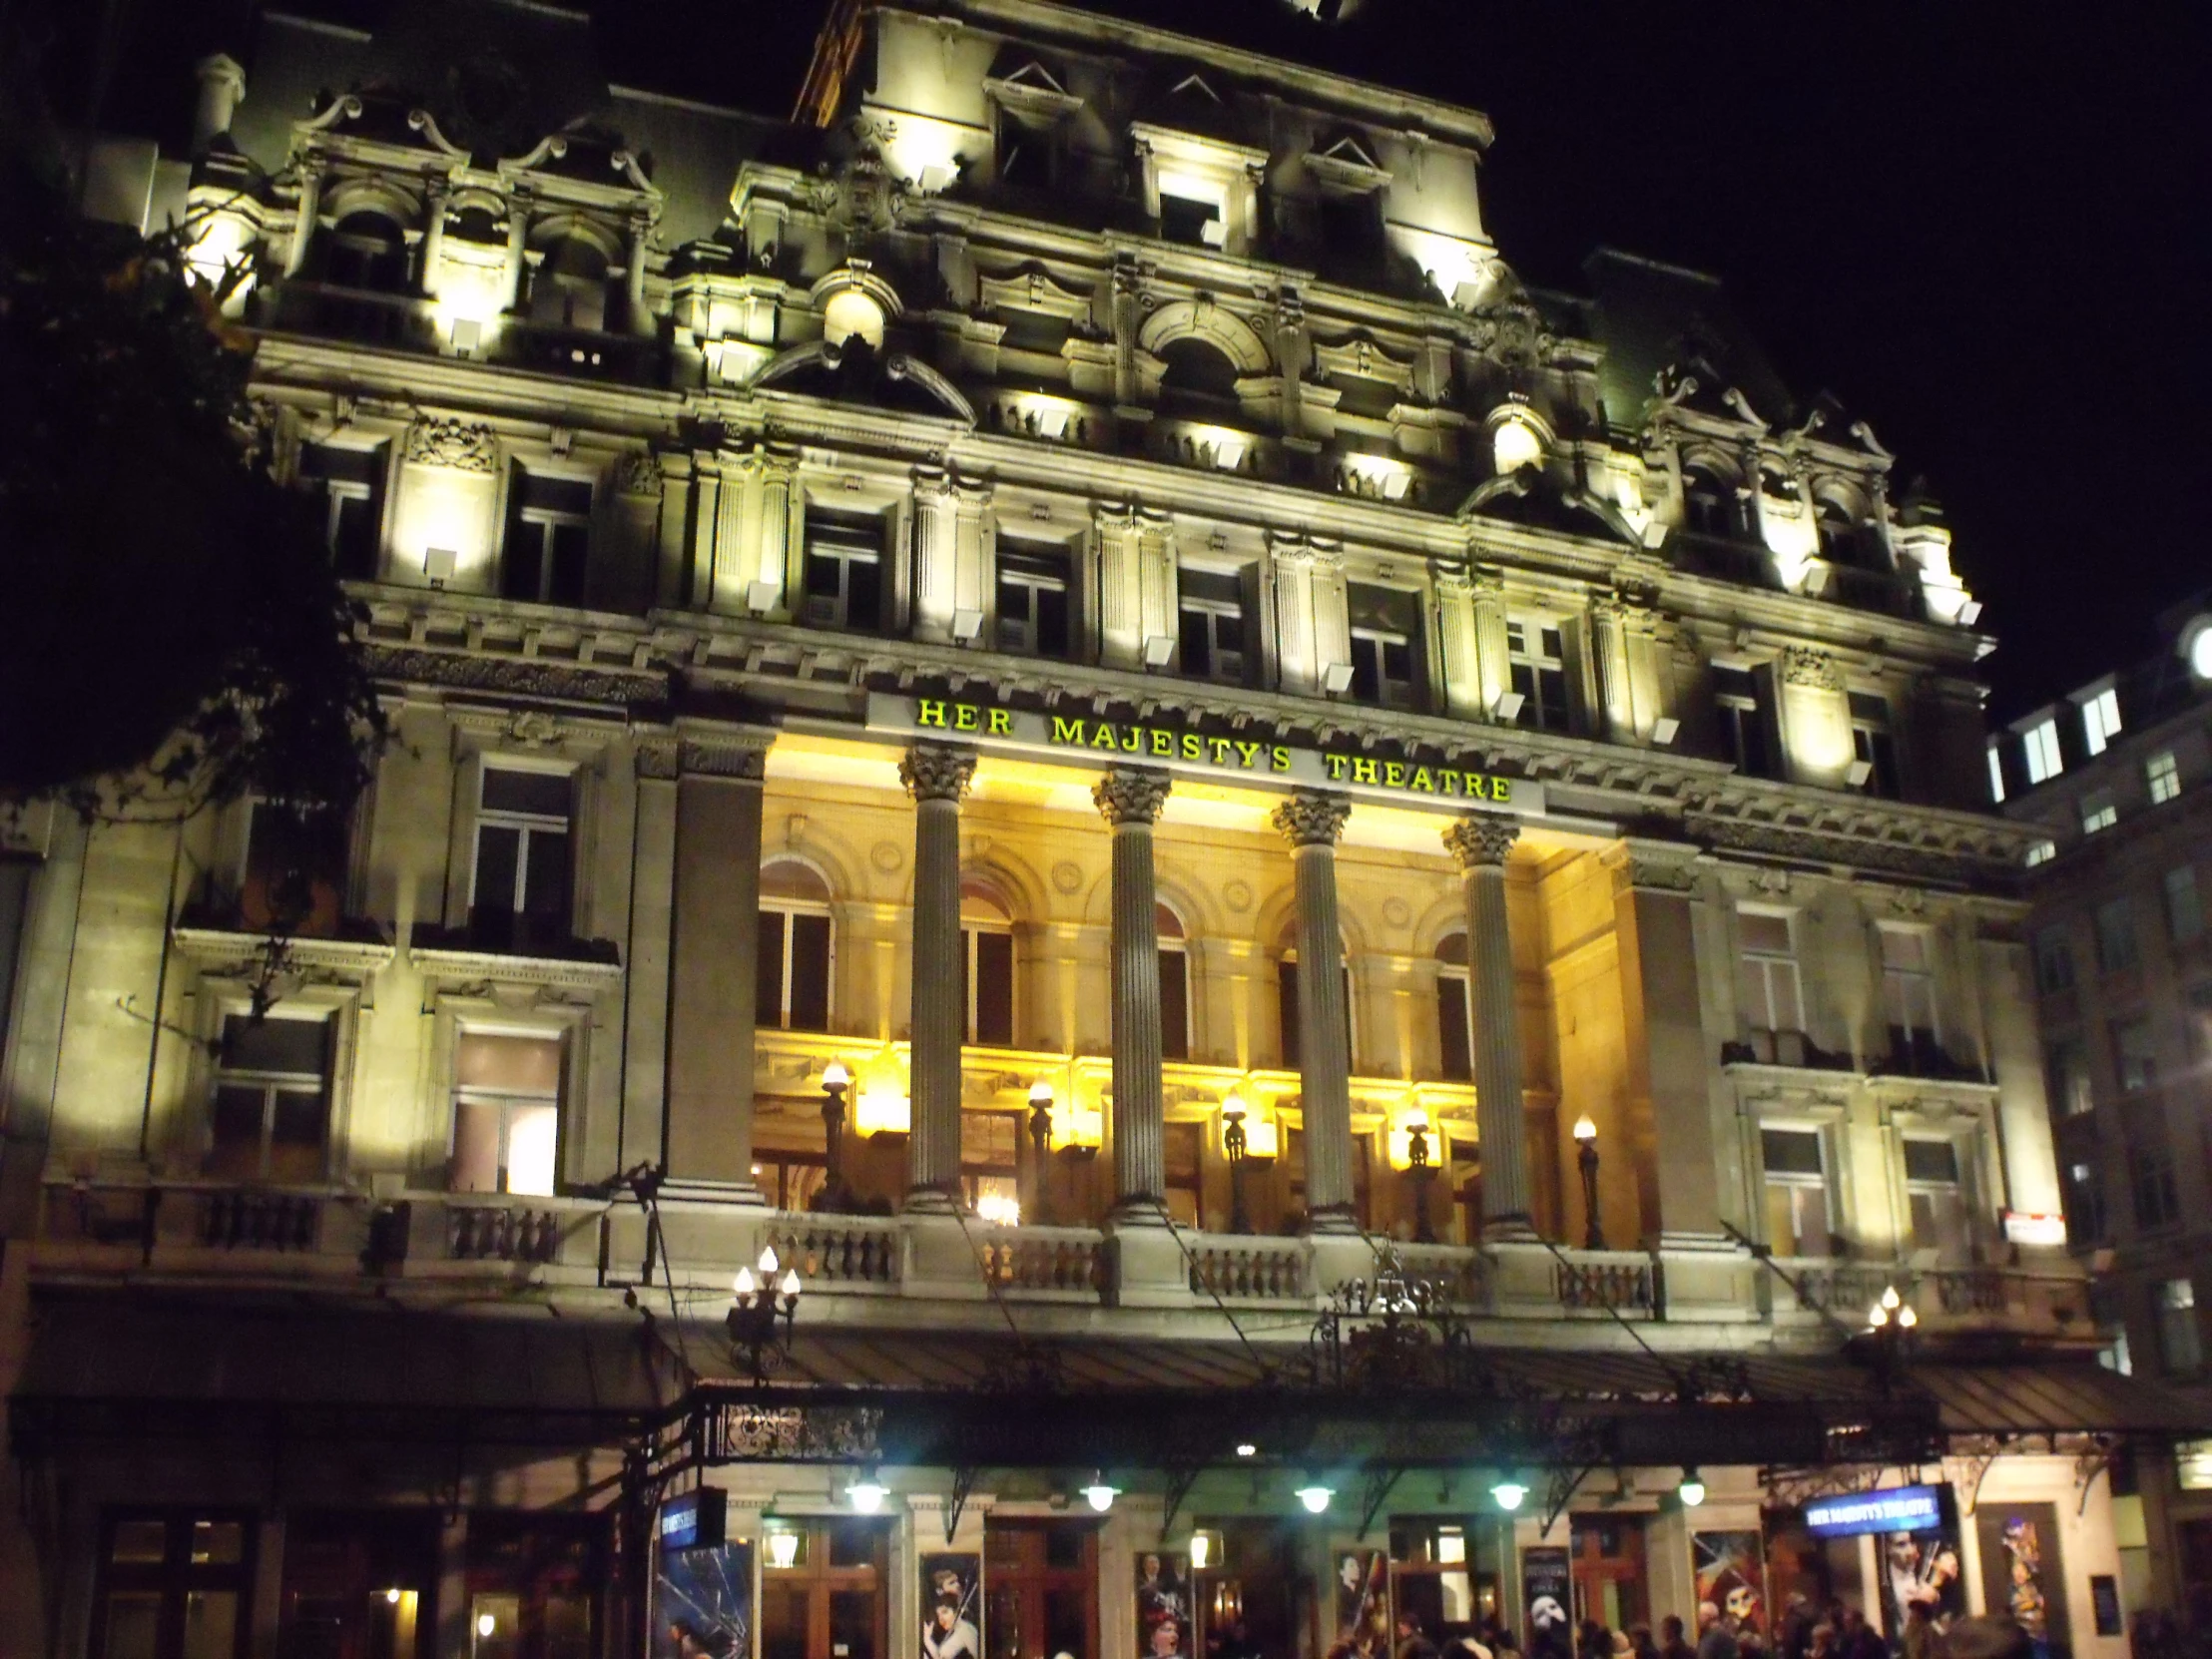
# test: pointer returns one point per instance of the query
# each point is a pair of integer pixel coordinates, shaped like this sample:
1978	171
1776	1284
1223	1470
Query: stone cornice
449	970
215	949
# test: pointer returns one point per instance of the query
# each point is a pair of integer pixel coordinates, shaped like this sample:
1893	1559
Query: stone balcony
861	1270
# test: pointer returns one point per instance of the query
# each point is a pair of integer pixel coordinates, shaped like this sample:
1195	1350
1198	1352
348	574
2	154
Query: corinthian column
1129	798
936	775
1480	843
1311	823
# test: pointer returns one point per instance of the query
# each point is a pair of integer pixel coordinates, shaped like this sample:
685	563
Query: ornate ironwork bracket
1380	1483
1180	1483
963	1482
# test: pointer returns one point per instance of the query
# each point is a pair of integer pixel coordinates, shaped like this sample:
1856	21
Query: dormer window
1203	191
1190	213
1032	105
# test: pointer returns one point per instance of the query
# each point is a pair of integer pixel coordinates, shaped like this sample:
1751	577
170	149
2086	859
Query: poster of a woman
951	1600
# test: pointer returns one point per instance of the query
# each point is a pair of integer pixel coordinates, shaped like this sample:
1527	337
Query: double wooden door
829	1602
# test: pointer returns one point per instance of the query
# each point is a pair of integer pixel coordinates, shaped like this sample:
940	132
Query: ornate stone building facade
1049	694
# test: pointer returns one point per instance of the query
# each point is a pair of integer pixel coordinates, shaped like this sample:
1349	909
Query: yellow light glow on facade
1401	1138
850	313
1517	443
1385	477
883	1112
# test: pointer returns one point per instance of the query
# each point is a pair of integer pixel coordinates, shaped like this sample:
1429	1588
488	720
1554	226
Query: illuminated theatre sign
1220	758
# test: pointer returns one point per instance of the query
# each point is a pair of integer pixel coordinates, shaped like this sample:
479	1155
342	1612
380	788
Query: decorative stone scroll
460	445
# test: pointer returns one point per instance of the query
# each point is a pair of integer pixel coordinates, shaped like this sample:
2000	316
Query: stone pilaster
1130	799
1310	822
1480	843
937	776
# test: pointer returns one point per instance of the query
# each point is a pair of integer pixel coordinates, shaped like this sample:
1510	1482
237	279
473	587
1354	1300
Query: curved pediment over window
853	371
1526	497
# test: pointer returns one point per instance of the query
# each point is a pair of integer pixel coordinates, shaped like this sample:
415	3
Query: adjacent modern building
2114	779
1113	897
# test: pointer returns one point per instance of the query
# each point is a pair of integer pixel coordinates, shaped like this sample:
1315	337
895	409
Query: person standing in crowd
1671	1644
1640	1643
1594	1641
1714	1639
1413	1643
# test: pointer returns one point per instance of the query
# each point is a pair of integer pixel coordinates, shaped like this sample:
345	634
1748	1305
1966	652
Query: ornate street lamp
1890	1324
757	1304
835	1197
1585	1138
1420	1172
1236	1149
1040	1138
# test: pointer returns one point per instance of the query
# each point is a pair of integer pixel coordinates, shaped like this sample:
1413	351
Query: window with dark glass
2066	1076
2134	1054
1386	638
1536	660
845	572
173	1584
2184	907
986	968
520	895
1774	1001
2055	966
1032	602
1742	716
1042	1577
350	485
2150	1175
548	546
1190	220
1909	995
1286	991
506	1114
1455	1010
1212	622
1708	503
295	872
1175	985
1870	743
1797	1192
568	290
792	984
366	251
831	1602
1183	1160
2181	1336
1350	224
271	1117
358	1586
533	1586
2117	949
1843	540
1936	1200
2087	1222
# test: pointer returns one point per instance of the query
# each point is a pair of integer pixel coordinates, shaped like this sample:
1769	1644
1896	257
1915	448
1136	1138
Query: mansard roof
1653	319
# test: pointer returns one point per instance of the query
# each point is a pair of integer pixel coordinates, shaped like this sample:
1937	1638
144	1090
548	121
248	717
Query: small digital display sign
694	1520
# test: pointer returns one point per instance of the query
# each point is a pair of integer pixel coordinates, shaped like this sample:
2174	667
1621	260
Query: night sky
1982	226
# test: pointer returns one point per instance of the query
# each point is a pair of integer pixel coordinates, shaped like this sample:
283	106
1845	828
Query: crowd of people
1805	1631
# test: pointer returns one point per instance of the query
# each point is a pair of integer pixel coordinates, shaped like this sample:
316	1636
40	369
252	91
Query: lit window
2116	953
1773	995
2066	1076
2134	1054
1870	743
1536	654
2180	1342
1797	1192
1516	444
506	1114
852	312
1032	603
790	988
2193	1466
1175	985
1996	772
1212	624
1743	723
2184	910
2042	853
271	1117
2098	811
2039	742
2100	721
844	574
2164	777
519	889
548	539
1936	1200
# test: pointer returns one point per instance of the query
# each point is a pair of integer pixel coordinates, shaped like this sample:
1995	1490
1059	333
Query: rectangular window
1996	756
1936	1200
1032	603
173	1585
271	1117
2184	909
1454	1036
1743	721
1870	743
2098	811
506	1114
1773	994
2150	1175
2134	1054
1192	219
350	483
2180	1340
2066	1076
987	984
1909	991
2196	1023
548	539
1175	1001
1797	1192
845	572
2087	1224
2164	774
1536	657
2100	721
519	891
1212	624
2054	969
1183	1160
360	1585
2042	853
2116	951
533	1586
1385	632
295	869
2039	744
1286	1007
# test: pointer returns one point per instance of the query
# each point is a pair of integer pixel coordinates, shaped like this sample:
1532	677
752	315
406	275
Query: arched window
367	250
1455	1010
1199	369
570	288
1843	540
986	968
1285	993
1175	987
791	992
1708	502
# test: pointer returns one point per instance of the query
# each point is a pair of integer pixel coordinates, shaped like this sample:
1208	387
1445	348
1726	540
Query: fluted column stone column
937	776
1480	841
1130	799
1310	822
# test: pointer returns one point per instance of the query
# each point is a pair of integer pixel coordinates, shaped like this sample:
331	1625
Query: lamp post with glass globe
1420	1172
1585	1140
835	1197
758	1303
1236	1149
1040	1140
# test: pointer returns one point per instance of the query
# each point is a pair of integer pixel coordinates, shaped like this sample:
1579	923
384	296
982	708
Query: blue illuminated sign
696	1520
1892	1509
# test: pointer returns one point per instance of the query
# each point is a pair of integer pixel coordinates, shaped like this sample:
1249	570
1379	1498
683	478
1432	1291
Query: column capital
1131	795
937	772
1312	818
1479	838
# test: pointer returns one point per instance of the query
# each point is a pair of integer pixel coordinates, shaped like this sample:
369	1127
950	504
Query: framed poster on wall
702	1602
951	1606
1731	1575
1548	1579
1163	1606
2021	1573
